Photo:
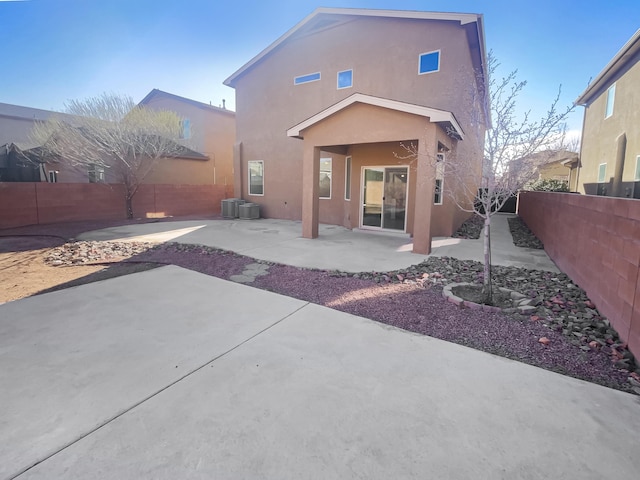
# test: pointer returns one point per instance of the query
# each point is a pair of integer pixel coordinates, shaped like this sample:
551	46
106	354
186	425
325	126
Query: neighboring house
19	159
206	129
322	114
610	151
561	165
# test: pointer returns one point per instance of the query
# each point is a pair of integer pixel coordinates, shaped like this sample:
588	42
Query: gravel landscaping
522	236
563	331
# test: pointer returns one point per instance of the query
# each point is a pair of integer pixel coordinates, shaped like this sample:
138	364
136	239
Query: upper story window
345	79
96	173
611	96
429	62
637	177
311	77
185	131
53	176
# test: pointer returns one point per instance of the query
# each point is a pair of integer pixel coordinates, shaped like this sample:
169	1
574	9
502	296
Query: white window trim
307	81
362	179
440	159
612	88
605	173
249	178
330	179
53	176
427	53
338	79
348	171
637	177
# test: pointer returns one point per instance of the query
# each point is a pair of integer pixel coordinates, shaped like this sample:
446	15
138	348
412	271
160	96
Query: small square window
311	77
256	177
602	172
429	62
345	79
611	97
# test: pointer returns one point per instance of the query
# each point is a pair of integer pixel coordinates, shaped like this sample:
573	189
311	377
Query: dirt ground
23	271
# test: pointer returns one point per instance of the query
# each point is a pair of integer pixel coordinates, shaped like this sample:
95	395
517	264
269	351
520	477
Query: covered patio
371	131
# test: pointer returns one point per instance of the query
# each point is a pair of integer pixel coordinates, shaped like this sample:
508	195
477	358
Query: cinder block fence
596	241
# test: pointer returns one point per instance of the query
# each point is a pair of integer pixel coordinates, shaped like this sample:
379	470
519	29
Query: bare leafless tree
112	134
507	160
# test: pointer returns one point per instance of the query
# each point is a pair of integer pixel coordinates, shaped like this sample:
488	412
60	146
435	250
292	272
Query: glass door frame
384	168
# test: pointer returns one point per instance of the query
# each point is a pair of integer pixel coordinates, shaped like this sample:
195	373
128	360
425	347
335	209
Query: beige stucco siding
212	134
600	134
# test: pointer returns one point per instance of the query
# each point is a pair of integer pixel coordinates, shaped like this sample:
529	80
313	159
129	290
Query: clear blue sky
56	50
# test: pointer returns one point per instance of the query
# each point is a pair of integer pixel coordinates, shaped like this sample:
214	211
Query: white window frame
610	101
53	176
297	80
330	160
185	129
249	178
637	175
348	170
338	79
429	53
604	172
439	178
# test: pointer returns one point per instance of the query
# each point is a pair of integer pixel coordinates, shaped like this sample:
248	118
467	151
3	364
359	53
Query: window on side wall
345	79
637	177
256	177
310	77
347	179
611	97
53	176
185	129
602	172
429	62
96	173
439	186
325	178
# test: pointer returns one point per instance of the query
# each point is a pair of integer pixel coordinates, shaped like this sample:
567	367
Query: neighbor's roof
463	18
441	117
26	113
159	93
627	53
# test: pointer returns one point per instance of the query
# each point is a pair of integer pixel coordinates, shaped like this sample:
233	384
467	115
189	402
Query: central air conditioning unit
230	207
249	211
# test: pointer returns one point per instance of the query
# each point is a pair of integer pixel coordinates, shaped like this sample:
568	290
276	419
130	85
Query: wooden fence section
596	241
39	203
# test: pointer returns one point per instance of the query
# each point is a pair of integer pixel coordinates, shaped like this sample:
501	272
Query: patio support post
425	180
310	182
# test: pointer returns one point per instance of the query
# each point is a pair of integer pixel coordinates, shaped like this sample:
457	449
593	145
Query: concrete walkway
336	248
171	374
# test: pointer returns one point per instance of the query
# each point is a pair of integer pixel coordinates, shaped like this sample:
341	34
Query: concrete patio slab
75	359
288	390
336	248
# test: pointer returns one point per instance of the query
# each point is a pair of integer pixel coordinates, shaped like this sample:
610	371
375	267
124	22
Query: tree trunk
486	284
129	206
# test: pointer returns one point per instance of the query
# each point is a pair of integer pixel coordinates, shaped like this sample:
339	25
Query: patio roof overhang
446	120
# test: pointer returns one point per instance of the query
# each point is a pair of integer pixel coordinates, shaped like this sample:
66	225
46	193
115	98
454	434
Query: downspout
621	150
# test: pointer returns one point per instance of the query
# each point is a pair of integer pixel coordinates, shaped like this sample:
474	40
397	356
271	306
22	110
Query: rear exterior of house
325	113
206	129
610	150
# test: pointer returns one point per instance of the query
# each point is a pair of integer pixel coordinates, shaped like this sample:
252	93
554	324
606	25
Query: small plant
549	185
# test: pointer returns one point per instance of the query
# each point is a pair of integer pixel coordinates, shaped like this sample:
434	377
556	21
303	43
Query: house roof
25	113
463	18
441	117
626	54
159	93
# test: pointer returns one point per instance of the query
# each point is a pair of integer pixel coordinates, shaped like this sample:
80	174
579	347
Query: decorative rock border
520	303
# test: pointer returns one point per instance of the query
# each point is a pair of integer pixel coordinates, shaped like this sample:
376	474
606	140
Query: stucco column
237	170
425	180
621	152
310	182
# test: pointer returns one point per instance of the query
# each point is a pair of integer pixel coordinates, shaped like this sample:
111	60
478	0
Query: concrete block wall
596	241
39	203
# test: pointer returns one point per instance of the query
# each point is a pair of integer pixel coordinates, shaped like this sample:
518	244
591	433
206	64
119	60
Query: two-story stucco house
610	151
324	111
